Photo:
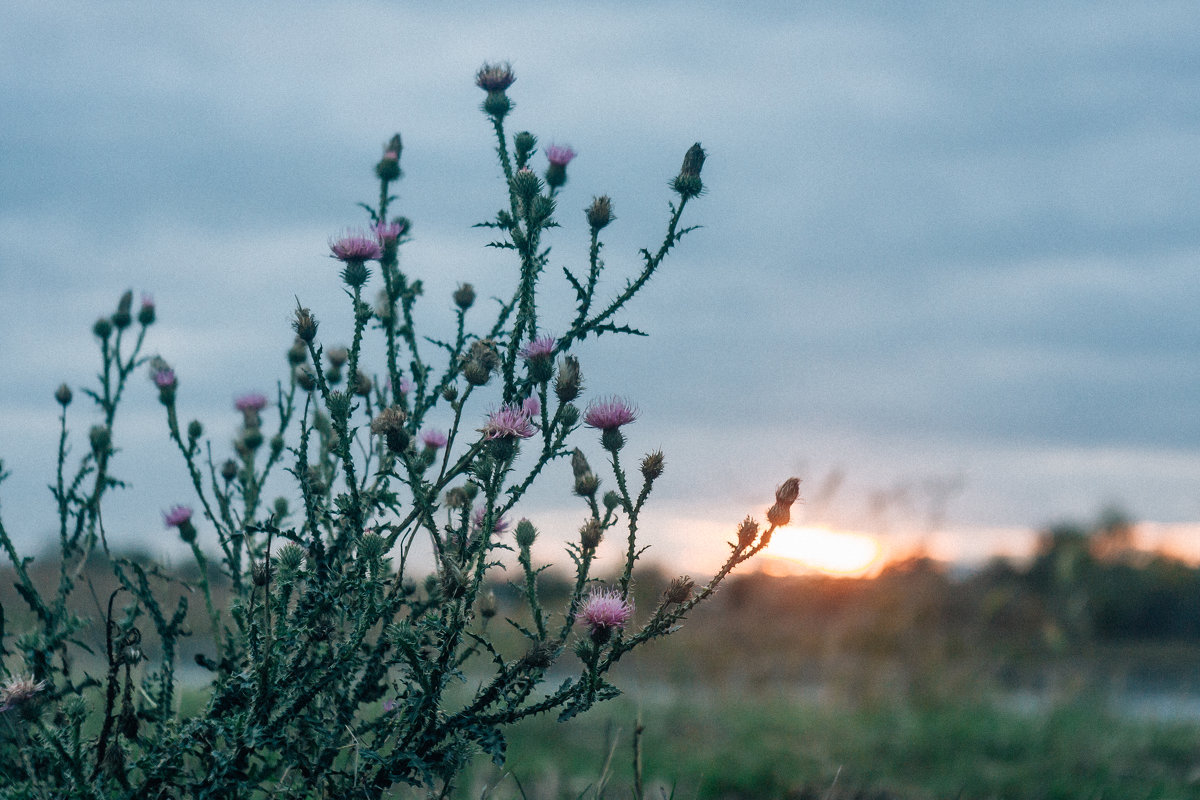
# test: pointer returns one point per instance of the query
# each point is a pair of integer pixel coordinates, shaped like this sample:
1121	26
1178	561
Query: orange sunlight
830	552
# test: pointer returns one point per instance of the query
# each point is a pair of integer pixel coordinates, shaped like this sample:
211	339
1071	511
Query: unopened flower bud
652	465
590	534
371	547
523	144
526	184
464	296
297	354
63	395
569	381
195	430
680	590
362	384
450	393
102	328
525	534
123	317
788	491
260	573
290	557
229	470
146	315
456	497
101	439
611	500
599	213
281	504
388	168
779	515
252	438
306	379
688	183
587	484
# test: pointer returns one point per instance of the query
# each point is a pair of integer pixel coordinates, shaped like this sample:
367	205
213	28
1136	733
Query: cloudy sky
949	254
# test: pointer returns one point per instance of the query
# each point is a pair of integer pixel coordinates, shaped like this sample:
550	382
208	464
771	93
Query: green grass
772	746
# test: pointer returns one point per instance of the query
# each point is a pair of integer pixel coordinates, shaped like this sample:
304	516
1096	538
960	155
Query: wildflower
608	416
464	296
653	465
165	378
495	79
569	382
605	611
250	404
389	232
390	705
688	184
679	591
354	249
388	168
541	347
499	526
18	691
508	422
390	425
181	517
433	439
558	156
405	386
531	406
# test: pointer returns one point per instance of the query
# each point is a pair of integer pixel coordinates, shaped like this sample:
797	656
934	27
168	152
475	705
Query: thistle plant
339	663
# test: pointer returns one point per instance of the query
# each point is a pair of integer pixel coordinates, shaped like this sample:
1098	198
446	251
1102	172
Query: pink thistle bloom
541	347
147	301
164	378
177	516
388	232
609	414
605	610
391	155
18	690
390	705
499	526
433	439
250	402
355	247
508	422
405	387
531	406
494	77
559	155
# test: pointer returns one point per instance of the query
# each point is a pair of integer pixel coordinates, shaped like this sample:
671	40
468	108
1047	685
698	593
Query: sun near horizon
812	548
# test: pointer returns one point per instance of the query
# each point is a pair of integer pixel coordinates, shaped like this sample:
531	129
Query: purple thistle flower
17	690
177	516
164	378
390	705
499	526
494	77
355	247
388	232
531	406
253	401
508	422
560	155
605	610
433	439
609	414
541	347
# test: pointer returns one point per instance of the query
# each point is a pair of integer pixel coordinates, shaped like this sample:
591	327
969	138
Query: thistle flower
18	691
541	347
599	213
355	246
531	406
164	378
250	404
146	314
389	232
605	611
181	517
499	526
495	77
558	156
390	425
609	414
404	387
433	439
508	422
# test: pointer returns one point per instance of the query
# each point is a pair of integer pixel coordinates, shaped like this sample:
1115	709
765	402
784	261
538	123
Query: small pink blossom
609	414
147	301
164	378
390	705
355	246
254	401
605	610
433	439
559	155
499	526
531	406
508	422
177	516
405	387
541	347
388	232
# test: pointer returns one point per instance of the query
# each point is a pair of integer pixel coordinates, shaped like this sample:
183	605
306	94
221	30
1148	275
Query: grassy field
709	744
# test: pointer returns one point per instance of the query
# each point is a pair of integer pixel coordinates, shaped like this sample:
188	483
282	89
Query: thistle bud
260	573
297	354
788	491
779	515
252	439
652	466
291	557
195	430
63	395
146	315
495	79
464	296
611	500
579	463
362	384
102	328
540	656
371	547
305	325
679	591
229	470
523	144
123	317
487	604
450	393
456	497
569	382
281	503
587	484
747	533
100	438
388	168
590	534
525	534
688	184
526	184
306	379
599	213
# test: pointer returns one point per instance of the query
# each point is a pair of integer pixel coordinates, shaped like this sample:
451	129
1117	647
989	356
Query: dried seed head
747	533
569	382
19	691
457	497
590	534
305	325
495	77
599	213
653	465
788	491
540	656
297	354
362	384
680	590
688	184
337	356
587	484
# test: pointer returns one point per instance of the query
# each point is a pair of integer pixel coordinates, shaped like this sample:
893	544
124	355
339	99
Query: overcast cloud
939	244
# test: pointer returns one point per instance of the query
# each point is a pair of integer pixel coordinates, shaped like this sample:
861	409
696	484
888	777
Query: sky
946	270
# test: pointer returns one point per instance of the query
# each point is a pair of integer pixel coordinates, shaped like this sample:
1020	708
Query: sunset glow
831	552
